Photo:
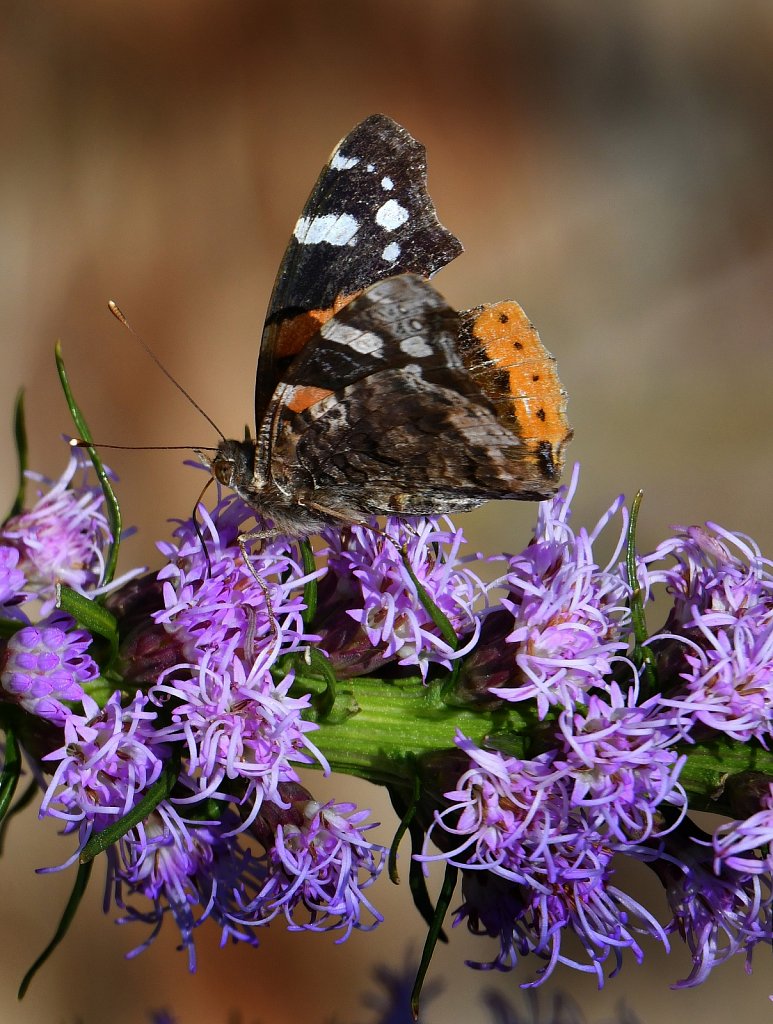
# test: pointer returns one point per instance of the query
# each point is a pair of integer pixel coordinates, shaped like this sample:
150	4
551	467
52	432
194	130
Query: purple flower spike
45	665
570	616
387	608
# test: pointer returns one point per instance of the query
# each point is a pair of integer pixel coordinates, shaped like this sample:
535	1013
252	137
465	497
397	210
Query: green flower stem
710	765
377	731
389	723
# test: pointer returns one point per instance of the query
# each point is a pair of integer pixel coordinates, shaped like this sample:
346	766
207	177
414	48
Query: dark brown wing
368	217
380	413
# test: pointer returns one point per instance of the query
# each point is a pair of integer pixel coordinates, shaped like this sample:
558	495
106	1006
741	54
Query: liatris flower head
715	572
718	913
212	601
373	587
569	618
318	864
64	536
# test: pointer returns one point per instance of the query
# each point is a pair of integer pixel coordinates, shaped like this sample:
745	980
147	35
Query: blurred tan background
609	165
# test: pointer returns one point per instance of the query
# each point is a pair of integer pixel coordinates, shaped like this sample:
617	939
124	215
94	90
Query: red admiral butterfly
373	396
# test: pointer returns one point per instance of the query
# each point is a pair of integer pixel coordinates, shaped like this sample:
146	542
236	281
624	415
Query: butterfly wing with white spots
368	217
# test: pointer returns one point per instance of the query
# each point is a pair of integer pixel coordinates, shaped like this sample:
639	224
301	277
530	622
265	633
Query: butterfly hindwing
380	414
368	217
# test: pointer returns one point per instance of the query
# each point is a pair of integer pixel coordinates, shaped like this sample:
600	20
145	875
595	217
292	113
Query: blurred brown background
609	165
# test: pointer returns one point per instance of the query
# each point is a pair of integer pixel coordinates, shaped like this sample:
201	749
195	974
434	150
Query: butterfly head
233	464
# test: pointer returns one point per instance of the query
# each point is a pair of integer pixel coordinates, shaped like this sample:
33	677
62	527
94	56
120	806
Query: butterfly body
374	396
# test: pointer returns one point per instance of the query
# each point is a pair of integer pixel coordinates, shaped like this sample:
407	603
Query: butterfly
374	396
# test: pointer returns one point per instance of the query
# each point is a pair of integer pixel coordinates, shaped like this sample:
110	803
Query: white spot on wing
364	342
415	347
343	163
371	168
387	184
333	228
391	215
391	252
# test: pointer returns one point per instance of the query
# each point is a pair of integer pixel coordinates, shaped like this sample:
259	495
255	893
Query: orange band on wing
296	331
303	396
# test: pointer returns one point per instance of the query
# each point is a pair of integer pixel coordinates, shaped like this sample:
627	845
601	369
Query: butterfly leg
243	540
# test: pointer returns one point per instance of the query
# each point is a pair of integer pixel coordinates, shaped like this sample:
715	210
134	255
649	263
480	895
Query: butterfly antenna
79	442
198	529
116	311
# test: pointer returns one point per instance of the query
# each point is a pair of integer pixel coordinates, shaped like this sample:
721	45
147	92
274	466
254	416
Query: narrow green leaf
11	771
20	438
406	817
113	508
642	654
443	903
88	614
159	791
429	606
417	880
310	587
436	693
81	881
319	663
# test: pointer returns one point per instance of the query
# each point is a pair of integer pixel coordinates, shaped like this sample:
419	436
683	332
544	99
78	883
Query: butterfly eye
223	471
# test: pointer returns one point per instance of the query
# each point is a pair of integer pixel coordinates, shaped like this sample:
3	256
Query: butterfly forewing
368	217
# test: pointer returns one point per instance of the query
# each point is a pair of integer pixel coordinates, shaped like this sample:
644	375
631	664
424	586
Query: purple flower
570	617
716	571
44	665
63	537
382	600
315	858
618	759
516	820
12	583
108	759
189	869
728	679
212	601
318	863
715	653
237	726
579	900
739	845
717	915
